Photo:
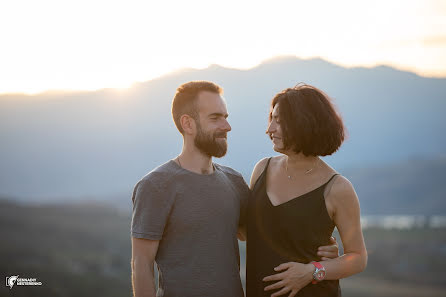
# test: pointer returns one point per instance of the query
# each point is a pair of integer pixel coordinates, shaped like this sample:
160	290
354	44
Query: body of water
403	222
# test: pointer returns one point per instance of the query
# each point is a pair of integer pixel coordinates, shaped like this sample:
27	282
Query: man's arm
328	252
143	258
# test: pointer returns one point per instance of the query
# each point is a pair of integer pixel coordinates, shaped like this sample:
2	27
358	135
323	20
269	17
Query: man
187	212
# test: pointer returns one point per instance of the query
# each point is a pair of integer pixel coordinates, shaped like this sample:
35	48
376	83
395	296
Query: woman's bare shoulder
258	169
342	190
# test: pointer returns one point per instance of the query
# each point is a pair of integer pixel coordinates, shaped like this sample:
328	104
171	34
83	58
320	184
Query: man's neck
193	160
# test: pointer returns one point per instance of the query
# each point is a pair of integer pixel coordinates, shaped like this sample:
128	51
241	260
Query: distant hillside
98	144
412	187
84	250
74	250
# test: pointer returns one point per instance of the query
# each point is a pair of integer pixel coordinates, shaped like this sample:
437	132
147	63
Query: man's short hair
309	121
184	101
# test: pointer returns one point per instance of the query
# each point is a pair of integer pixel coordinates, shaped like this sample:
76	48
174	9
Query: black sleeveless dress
289	232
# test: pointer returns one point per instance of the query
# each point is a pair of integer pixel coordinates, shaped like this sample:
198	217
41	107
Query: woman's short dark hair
309	121
186	97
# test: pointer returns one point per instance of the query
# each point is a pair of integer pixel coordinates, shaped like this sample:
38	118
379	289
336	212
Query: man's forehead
211	102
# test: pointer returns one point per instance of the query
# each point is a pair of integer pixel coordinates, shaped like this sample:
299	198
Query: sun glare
84	45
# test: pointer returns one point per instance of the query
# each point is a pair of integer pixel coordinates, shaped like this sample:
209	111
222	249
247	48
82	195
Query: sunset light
87	45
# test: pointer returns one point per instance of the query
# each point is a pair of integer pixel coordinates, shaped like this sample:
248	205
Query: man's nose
226	126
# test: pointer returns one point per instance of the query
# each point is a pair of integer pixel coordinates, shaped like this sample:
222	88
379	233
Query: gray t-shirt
196	218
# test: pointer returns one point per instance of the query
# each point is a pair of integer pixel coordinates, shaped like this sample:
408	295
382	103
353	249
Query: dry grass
368	287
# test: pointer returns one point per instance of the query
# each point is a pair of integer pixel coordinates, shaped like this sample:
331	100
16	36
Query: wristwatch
319	272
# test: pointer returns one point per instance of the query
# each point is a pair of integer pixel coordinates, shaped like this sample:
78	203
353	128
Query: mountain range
79	145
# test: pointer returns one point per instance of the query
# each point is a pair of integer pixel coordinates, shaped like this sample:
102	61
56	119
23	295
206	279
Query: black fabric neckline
294	198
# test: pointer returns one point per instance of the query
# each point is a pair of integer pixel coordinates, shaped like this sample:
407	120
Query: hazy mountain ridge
100	143
413	187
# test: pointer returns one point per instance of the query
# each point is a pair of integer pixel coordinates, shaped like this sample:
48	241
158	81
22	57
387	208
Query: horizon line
183	69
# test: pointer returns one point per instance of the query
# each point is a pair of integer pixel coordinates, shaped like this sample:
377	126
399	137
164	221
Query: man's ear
188	124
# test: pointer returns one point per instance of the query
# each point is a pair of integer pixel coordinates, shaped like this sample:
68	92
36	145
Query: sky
94	44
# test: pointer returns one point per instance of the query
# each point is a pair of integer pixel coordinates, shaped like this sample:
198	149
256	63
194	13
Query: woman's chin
278	148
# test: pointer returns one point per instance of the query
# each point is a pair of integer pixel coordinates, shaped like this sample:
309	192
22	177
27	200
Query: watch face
320	274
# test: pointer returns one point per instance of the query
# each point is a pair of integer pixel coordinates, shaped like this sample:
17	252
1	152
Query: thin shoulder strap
267	164
261	176
265	169
328	185
331	178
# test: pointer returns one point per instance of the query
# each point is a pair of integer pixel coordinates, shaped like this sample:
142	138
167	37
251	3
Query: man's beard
207	143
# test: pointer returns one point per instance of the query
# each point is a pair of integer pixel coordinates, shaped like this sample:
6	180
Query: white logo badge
11	280
15	280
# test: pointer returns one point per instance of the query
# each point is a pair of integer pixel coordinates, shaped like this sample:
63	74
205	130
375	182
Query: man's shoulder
161	175
235	178
228	171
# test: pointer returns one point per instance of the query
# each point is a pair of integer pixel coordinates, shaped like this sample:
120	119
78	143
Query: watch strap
318	267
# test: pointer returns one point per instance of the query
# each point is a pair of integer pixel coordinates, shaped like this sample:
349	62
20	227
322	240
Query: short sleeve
245	193
151	208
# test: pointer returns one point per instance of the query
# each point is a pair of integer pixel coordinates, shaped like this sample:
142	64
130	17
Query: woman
297	201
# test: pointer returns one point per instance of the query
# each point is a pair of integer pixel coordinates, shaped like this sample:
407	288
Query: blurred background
85	95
